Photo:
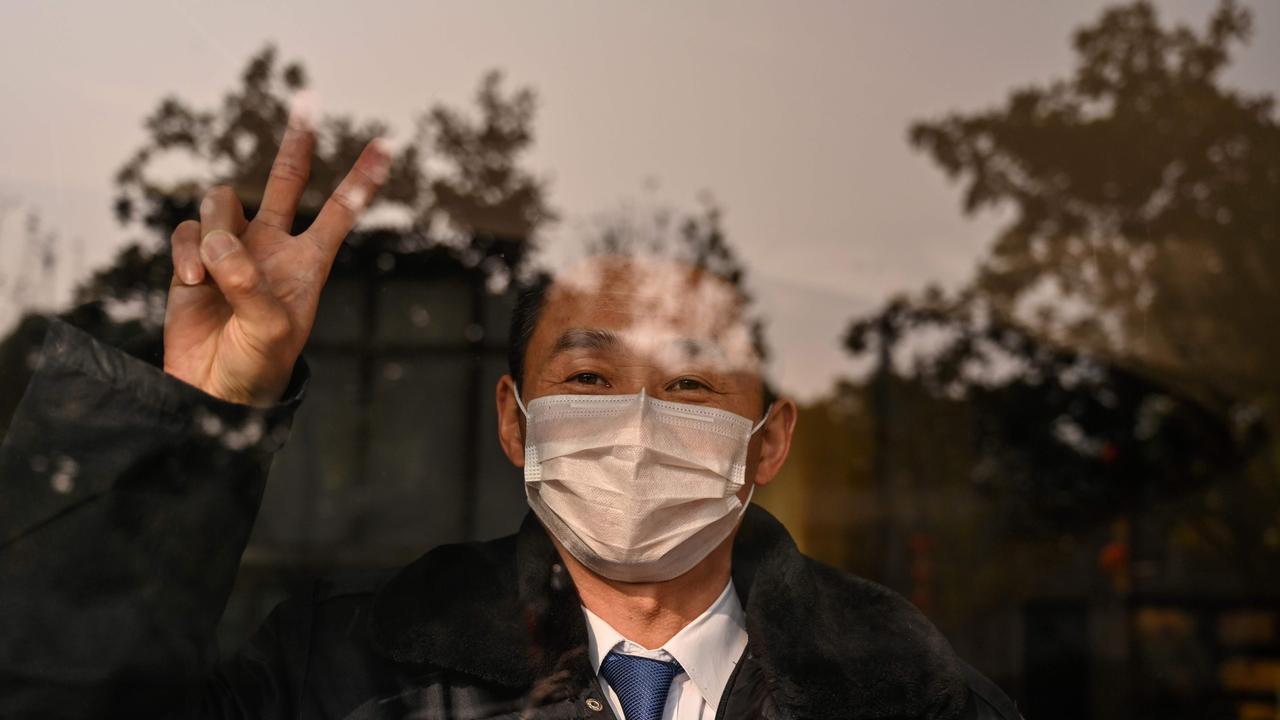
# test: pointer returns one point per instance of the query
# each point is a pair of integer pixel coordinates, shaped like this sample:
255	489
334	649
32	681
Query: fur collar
830	644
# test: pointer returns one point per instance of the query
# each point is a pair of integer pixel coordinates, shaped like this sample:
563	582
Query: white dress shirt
707	648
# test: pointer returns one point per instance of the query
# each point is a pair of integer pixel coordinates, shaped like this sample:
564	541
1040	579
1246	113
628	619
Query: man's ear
510	421
775	439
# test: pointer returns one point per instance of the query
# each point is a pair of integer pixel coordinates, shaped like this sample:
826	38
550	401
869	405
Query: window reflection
1065	458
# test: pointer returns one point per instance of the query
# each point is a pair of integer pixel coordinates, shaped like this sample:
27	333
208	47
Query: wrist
235	393
263	397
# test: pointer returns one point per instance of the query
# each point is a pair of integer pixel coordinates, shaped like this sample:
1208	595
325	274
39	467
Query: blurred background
1018	262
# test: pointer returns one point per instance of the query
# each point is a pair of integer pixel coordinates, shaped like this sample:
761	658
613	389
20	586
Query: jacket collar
829	644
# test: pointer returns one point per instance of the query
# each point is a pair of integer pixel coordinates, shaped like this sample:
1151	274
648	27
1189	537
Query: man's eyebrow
585	339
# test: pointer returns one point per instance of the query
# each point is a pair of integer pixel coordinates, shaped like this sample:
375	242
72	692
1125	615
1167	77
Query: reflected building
394	450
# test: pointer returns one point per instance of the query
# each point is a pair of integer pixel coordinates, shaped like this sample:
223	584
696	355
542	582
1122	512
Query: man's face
613	325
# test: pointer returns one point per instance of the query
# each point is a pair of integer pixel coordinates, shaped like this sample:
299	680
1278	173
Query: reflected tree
1145	228
1115	342
235	143
482	194
477	191
695	238
457	191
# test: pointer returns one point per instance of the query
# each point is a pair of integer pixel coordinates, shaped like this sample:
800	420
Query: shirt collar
707	648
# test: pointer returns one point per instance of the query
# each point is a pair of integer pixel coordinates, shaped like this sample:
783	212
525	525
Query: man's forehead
654	287
656	342
661	308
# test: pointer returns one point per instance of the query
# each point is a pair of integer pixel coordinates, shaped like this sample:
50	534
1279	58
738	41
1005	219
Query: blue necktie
640	683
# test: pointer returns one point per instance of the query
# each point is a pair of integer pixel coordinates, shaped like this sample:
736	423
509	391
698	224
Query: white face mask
637	489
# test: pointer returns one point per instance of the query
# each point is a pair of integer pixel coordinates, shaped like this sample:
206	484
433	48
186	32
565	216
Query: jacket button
595	705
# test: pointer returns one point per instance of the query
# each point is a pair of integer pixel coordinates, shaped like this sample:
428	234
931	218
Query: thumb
245	288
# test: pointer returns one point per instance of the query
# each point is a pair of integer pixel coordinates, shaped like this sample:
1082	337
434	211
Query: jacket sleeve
126	500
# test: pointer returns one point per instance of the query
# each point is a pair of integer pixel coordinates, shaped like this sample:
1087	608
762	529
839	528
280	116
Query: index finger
353	195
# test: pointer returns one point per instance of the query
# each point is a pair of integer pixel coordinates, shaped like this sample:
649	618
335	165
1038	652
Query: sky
793	116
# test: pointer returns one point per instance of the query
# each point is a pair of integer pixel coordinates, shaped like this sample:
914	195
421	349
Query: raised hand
244	293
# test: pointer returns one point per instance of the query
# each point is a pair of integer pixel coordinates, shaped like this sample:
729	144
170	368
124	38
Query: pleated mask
637	489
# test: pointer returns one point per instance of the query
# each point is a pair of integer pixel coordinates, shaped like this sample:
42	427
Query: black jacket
127	501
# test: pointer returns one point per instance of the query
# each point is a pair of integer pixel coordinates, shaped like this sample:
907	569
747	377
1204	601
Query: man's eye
688	384
587	378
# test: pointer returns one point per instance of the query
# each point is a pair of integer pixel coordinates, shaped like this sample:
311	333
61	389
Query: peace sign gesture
244	293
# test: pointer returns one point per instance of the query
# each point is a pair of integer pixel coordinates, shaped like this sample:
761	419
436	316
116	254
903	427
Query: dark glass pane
413	492
340	317
422	312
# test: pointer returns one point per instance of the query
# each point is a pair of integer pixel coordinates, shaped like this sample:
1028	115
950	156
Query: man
643	584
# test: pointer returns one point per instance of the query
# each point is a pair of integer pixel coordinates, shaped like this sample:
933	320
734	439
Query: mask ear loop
520	403
530	462
752	491
758	425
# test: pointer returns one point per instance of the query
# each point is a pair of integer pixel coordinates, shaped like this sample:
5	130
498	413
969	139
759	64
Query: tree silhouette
235	143
1063	438
1115	341
695	238
480	189
1145	227
484	195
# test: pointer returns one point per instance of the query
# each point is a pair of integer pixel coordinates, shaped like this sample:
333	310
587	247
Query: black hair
530	297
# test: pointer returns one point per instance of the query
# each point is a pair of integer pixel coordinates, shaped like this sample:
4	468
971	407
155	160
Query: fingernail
189	274
301	110
381	165
216	245
206	207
